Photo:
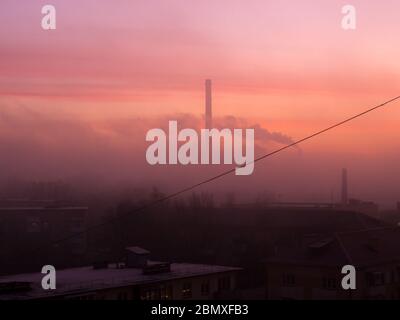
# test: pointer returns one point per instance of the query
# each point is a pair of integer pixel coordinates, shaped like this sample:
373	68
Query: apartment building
136	278
311	269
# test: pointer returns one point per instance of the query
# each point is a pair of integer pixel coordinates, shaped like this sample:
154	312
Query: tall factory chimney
208	116
344	187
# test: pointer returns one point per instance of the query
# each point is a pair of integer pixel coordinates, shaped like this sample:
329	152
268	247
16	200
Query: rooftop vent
136	257
319	247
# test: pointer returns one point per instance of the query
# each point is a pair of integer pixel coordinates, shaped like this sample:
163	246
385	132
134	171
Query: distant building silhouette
30	226
310	269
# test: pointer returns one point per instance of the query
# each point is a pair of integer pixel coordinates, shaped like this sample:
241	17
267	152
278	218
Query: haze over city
80	100
219	153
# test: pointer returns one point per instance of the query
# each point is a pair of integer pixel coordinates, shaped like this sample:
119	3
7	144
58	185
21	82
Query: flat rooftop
85	279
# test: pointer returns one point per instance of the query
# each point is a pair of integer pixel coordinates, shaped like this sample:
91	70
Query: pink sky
287	65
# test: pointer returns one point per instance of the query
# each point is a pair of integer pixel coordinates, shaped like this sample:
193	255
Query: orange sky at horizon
288	66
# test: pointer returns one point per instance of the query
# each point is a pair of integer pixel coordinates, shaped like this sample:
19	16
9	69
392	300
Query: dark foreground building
137	278
311	269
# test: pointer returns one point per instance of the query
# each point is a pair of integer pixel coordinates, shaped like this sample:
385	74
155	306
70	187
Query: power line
225	173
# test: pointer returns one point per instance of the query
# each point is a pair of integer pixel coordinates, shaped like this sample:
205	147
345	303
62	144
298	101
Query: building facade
140	279
312	270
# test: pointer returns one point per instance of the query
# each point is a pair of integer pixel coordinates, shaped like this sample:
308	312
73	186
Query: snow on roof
84	279
137	250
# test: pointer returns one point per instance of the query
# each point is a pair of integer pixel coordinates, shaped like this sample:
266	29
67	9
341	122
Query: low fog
100	156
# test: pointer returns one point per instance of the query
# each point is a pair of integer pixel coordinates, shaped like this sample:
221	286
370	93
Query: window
76	225
288	279
165	292
85	297
224	283
329	283
122	295
33	224
151	293
145	295
205	288
187	290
